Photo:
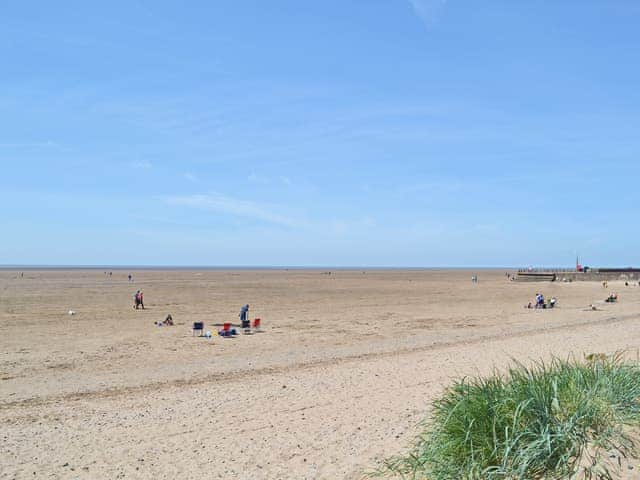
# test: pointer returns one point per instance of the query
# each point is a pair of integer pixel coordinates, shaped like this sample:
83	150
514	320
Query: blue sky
372	133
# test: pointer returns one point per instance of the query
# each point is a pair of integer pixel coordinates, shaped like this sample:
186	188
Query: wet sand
342	372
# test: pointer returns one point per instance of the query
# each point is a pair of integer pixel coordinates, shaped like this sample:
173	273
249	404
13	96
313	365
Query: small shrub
545	422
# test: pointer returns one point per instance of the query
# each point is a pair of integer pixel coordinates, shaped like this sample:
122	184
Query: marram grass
551	421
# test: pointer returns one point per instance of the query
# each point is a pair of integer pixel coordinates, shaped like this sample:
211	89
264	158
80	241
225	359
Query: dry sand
343	371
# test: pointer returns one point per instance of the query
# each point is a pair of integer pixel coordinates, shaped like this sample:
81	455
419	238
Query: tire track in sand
237	375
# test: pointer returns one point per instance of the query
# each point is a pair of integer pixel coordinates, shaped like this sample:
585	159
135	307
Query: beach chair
227	331
198	326
256	325
246	326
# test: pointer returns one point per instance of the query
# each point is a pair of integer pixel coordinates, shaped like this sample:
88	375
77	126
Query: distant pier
571	275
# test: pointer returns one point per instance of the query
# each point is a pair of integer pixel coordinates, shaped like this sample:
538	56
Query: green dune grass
549	421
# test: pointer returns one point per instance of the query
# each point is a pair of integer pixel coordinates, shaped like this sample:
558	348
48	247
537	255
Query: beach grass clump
551	421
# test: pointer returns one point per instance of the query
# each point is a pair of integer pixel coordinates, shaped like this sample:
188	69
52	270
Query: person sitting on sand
552	302
167	322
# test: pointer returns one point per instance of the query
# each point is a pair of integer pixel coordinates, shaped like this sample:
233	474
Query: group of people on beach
541	303
138	300
138	303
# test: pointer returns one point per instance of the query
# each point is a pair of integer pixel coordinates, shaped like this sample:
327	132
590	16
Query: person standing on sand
136	300
130	277
243	314
540	300
141	298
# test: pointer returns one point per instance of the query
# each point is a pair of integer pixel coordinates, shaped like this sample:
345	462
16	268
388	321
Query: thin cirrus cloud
264	180
270	214
427	10
48	143
223	204
190	176
255	178
143	164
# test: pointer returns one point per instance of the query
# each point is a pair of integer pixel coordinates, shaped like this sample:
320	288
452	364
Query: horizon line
28	266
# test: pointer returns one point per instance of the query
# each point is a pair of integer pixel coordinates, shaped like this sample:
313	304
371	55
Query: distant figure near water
474	279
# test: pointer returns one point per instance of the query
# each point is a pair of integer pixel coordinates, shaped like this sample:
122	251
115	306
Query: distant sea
233	267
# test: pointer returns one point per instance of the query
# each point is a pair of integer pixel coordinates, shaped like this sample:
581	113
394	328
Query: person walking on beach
136	300
141	298
130	278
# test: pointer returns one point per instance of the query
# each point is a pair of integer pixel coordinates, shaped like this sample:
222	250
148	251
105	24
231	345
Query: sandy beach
343	371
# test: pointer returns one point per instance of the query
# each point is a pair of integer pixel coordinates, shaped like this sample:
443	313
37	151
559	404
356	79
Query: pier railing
547	270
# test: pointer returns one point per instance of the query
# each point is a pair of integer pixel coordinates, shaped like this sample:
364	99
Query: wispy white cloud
219	203
47	143
427	10
144	164
271	214
266	180
255	178
190	176
349	226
